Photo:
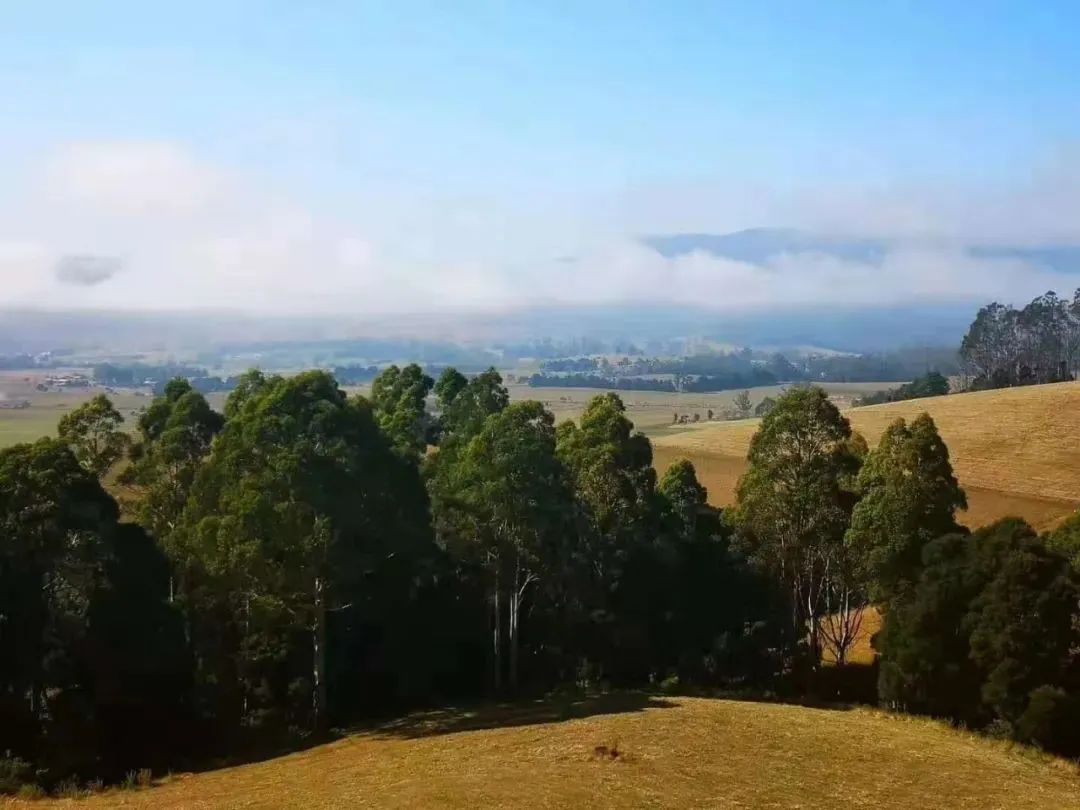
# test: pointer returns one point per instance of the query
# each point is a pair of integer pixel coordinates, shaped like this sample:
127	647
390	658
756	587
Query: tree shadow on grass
550	709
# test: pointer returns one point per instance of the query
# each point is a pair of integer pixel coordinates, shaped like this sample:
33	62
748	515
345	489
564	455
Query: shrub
1051	721
31	791
70	789
14	773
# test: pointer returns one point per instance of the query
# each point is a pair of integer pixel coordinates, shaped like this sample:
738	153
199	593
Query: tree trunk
515	603
496	638
318	694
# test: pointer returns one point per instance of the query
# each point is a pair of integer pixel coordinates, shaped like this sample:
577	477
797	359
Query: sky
454	157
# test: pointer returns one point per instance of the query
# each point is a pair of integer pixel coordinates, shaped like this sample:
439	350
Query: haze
374	159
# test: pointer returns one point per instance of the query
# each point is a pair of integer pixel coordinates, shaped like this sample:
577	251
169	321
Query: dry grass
651	411
683	752
47	408
1016	451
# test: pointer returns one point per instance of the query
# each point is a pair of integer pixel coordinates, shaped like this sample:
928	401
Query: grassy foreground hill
635	751
1015	450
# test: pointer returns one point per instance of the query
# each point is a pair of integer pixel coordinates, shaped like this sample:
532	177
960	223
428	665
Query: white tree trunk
515	604
496	639
318	674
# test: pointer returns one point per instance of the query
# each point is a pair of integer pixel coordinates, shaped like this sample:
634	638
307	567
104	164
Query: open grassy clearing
671	752
1016	451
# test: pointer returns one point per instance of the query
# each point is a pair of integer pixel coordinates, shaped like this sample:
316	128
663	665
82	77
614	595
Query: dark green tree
793	506
1022	624
301	501
504	503
94	434
450	383
614	483
398	397
908	497
989	621
53	518
465	414
175	433
91	656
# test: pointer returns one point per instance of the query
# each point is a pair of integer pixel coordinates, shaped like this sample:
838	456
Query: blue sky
336	155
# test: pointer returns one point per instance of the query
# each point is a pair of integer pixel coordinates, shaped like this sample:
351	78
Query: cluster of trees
1039	343
931	384
572	364
685	383
726	371
982	628
306	558
134	375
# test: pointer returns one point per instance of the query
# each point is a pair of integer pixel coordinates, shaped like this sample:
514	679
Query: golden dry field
1016	451
652	411
669	752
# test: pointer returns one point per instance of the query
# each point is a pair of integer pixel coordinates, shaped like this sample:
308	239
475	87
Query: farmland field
47	408
1016	451
671	752
652	411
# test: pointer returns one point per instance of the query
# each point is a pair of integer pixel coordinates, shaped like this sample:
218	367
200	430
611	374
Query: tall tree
53	515
504	502
450	383
909	496
614	483
300	501
398	396
793	506
93	433
465	413
742	404
90	653
175	433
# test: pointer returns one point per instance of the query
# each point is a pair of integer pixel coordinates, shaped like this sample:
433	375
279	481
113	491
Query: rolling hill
1016	451
632	750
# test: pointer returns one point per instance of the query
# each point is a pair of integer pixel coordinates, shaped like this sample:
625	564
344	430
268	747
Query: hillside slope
1015	450
679	752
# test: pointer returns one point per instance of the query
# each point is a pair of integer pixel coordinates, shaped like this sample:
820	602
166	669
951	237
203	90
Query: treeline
931	384
135	375
300	561
700	384
18	362
306	559
1039	343
726	371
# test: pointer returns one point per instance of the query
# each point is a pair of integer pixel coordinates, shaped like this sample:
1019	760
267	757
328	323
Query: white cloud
194	234
129	177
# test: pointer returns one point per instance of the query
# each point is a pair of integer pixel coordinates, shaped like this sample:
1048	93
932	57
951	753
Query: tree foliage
793	506
1039	343
398	396
908	497
93	433
990	621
